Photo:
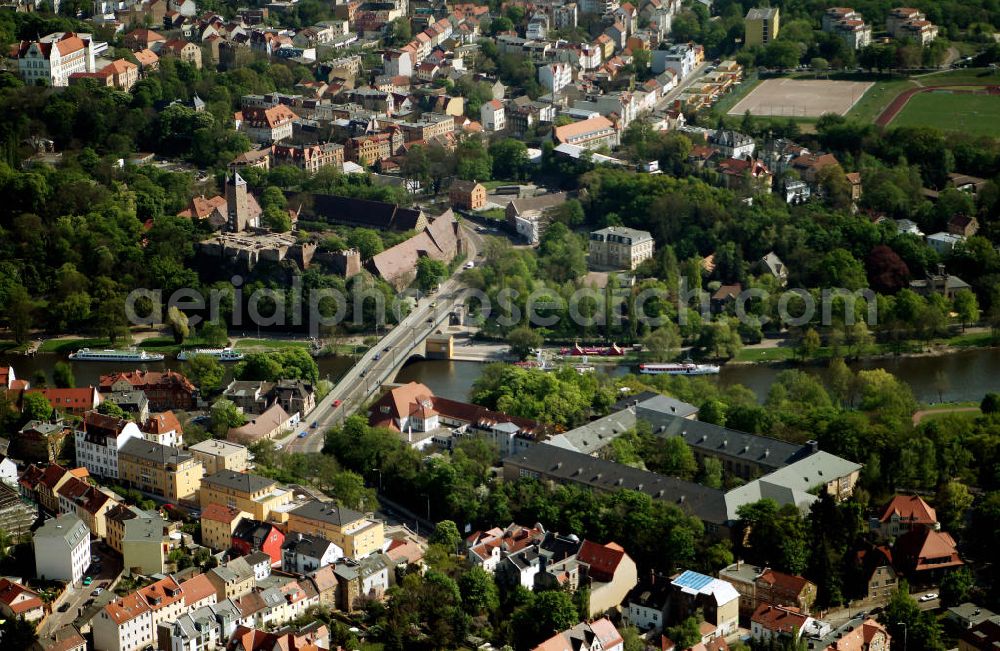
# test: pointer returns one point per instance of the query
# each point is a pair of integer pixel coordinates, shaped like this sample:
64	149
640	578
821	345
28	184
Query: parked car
64	607
303	434
87	580
97	592
930	596
316	423
336	403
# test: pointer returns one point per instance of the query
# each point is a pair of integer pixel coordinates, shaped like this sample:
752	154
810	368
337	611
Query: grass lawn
270	344
974	114
8	345
972	340
730	100
946	406
972	76
70	345
968	415
780	354
878	97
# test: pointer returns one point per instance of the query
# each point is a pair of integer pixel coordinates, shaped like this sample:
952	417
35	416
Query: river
967	374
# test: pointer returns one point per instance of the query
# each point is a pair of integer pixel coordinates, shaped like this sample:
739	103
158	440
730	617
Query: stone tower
237	203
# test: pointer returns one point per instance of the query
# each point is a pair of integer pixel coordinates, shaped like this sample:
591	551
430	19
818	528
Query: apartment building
216	455
62	549
115	520
218	523
267	125
145	544
618	247
100	439
90	503
130	623
355	533
907	22
555	76
762	26
160	469
253	494
593	133
491	115
309	158
163	428
53	58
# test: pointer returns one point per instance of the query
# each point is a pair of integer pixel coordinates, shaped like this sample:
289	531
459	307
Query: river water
967	375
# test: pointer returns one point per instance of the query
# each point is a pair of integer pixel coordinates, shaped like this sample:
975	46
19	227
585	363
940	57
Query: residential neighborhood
532	325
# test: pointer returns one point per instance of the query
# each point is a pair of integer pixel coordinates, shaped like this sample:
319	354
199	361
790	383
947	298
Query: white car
930	596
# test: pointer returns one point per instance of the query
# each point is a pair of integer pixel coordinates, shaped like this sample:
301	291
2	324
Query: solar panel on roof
692	580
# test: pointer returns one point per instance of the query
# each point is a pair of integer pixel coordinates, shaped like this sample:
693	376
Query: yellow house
357	534
115	521
762	25
160	469
253	494
218	522
145	544
216	455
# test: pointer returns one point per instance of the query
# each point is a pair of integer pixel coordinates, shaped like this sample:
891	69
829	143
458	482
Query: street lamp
379	471
905	633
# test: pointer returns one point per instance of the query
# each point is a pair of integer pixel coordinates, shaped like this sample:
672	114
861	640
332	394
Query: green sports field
974	114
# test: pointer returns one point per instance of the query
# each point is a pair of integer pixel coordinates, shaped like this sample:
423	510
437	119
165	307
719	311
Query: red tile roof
11	592
779	619
788	582
220	513
910	508
162	423
602	559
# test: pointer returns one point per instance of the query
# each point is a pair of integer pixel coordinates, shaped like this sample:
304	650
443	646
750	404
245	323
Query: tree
819	65
663	343
543	616
446	534
366	241
686	634
35	406
214	334
109	408
479	592
966	306
224	416
277	219
953	502
350	491
809	344
20	313
713	411
990	403
400	31
206	372
782	54
178	323
430	273
711	472
62	375
887	273
903	617
955	587
523	340
510	159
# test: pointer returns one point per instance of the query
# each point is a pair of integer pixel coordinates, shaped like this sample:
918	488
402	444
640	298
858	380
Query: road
377	365
68	607
665	101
